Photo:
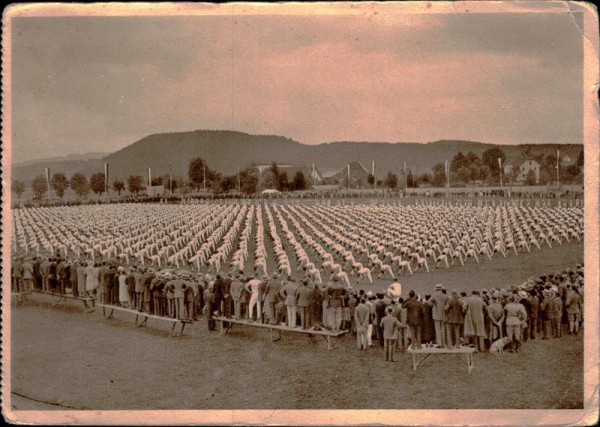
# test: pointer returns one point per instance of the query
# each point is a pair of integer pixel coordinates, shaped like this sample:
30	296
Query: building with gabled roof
359	176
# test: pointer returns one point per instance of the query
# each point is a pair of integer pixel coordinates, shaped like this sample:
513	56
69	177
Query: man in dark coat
414	318
379	307
227	299
218	294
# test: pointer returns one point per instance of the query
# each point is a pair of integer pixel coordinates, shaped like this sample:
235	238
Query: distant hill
70	157
225	151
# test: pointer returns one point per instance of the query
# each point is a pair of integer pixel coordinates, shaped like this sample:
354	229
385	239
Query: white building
526	167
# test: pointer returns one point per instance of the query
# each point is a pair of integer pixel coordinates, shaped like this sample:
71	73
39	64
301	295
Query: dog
498	345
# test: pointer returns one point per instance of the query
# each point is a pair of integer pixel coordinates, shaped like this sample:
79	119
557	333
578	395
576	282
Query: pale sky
89	84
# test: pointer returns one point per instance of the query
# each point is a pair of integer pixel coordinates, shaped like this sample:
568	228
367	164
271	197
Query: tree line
464	169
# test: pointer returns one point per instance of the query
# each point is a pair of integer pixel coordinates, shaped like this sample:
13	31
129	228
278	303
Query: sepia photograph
300	213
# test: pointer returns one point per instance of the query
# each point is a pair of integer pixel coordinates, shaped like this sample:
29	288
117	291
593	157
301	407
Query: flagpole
557	168
204	175
106	180
348	175
373	173
500	166
48	183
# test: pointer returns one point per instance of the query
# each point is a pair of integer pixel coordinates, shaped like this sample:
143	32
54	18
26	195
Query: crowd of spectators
544	307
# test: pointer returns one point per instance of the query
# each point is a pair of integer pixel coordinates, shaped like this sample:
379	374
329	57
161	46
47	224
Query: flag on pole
500	162
149	177
557	158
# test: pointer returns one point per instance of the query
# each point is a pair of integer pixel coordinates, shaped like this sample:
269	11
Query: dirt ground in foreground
63	358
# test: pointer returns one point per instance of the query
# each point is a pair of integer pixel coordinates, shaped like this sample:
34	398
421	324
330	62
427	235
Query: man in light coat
439	300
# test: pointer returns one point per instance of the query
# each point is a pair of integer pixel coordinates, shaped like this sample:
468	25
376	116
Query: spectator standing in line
534	320
379	306
414	318
81	280
288	295
438	300
73	278
45	272
335	291
389	326
455	319
236	289
547	309
495	312
227	299
302	302
515	316
27	271
574	305
428	332
474	320
558	312
37	274
17	274
52	279
362	315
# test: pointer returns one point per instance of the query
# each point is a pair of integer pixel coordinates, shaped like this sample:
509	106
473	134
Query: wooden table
145	316
420	354
275	330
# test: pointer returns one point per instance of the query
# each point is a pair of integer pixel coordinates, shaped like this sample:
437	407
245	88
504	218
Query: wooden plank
281	327
145	316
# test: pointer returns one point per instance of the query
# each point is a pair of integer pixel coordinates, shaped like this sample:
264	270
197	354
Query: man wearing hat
524	301
439	300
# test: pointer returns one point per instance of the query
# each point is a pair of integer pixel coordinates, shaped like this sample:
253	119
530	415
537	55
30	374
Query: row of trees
471	169
79	183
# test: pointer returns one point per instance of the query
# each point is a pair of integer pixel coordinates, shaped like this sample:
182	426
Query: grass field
62	358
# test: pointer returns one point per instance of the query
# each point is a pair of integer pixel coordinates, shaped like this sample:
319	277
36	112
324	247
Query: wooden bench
275	330
20	297
58	298
420	354
145	316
